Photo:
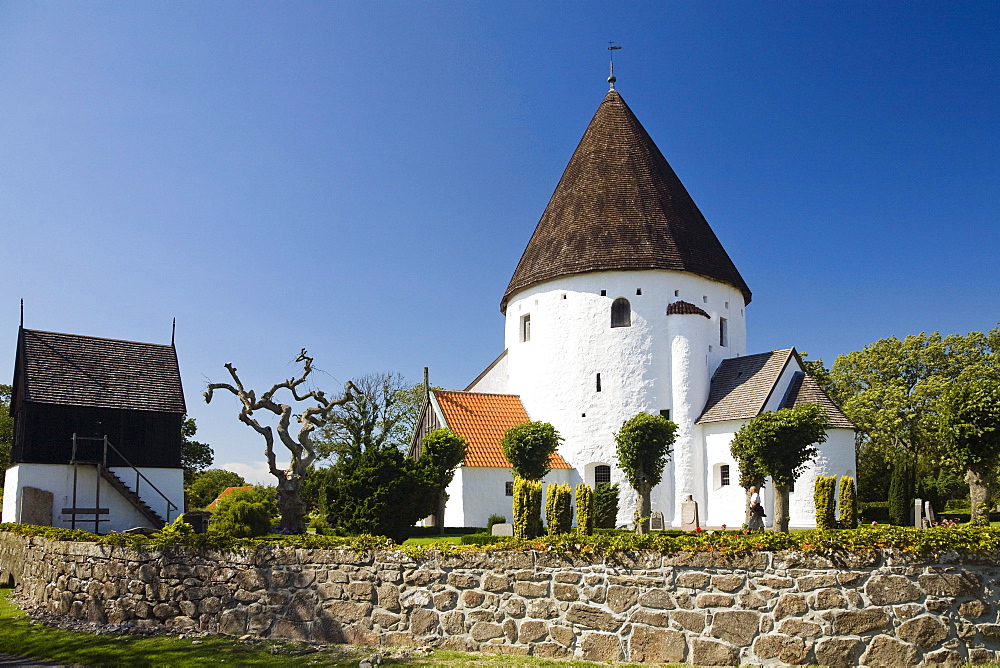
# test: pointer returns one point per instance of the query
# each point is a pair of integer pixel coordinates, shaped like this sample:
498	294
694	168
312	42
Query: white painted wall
481	492
572	341
724	504
836	457
58	479
494	380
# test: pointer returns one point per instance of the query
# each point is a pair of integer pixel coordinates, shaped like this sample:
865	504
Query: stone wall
701	608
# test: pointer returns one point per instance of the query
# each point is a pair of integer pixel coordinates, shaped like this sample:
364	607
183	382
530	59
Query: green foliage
318	492
605	505
494	519
780	444
246	513
195	456
442	450
969	429
528	448
873	464
644	446
6	431
382	415
559	509
825	502
527	508
209	484
848	509
584	509
819	372
901	493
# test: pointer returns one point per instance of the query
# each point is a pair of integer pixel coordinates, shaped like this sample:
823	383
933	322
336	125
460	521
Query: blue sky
360	179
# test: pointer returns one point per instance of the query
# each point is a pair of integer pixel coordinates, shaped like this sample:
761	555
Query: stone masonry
701	608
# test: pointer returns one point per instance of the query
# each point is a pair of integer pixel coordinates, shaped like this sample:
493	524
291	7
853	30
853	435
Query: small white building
624	301
97	433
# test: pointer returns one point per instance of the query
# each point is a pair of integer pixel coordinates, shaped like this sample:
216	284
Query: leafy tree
969	426
442	450
644	446
195	456
6	431
209	484
528	448
819	372
381	413
245	513
891	391
319	490
780	444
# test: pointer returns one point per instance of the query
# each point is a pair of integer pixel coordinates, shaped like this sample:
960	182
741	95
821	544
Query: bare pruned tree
290	503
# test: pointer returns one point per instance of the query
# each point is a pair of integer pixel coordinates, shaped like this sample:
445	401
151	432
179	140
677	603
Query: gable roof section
742	386
74	370
483	419
620	206
805	390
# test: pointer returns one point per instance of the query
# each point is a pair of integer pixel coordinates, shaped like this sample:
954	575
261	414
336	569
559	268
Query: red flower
723	527
697	529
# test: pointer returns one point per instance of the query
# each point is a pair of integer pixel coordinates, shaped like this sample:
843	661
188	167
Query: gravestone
689	514
918	512
656	521
36	507
929	517
503	529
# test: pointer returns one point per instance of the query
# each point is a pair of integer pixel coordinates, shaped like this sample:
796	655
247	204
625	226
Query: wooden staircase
133	498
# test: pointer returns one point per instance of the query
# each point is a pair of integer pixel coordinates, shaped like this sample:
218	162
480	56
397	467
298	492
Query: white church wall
777	398
58	479
836	457
493	380
725	504
483	493
571	341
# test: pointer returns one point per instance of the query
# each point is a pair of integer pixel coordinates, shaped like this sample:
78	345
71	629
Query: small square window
723	332
677	293
564	296
724	475
526	327
508	488
704	298
727	306
604	293
638	291
665	413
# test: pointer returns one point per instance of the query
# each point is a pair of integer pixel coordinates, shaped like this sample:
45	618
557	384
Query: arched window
621	313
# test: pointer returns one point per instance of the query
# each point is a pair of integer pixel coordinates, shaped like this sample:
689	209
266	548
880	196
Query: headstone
918	512
656	521
689	514
36	507
503	529
929	517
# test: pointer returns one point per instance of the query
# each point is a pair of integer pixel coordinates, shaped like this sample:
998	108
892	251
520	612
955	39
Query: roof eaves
774	385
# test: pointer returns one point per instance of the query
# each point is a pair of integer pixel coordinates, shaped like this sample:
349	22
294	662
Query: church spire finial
611	78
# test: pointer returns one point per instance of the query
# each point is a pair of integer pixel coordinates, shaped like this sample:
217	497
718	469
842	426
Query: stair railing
171	506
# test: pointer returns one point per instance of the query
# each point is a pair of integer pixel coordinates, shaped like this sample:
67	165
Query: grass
430	540
22	637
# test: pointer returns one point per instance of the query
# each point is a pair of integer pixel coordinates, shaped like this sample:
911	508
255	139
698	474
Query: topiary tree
559	509
584	509
441	451
848	515
527	502
605	505
779	445
644	447
528	447
969	428
823	497
901	493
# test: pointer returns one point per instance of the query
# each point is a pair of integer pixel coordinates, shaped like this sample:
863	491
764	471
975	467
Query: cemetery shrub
825	502
901	494
559	509
527	508
848	516
605	505
494	519
244	514
584	509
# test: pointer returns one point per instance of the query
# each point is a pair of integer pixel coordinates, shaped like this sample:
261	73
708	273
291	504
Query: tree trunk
291	505
979	494
442	503
642	508
779	514
746	505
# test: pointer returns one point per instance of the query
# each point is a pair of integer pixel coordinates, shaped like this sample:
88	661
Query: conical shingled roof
619	206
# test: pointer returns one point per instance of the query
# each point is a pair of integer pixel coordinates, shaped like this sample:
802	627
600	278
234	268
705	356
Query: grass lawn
428	540
22	637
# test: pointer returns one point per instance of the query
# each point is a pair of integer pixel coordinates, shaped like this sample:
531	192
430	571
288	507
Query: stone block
692	621
692	580
891	589
924	631
705	652
531	589
445	600
753	600
649	645
541	608
619	598
563	635
604	647
513	607
483	631
738	627
856	622
472	598
838	652
658	599
714	601
728	583
347	611
798	627
827	599
462	580
550	650
510	650
885	650
966	583
423	622
973	609
290	630
811	582
36	506
532	631
592	618
565	592
496	583
785	649
790	605
503	529
650	618
387	597
944	657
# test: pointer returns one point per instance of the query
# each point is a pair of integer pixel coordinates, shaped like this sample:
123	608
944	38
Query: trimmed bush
245	513
605	505
901	494
527	508
584	509
559	509
494	519
825	502
848	515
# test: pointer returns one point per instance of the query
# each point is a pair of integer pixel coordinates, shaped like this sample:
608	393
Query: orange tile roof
226	492
483	419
